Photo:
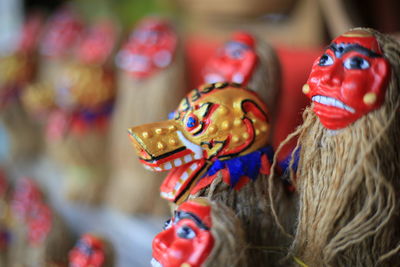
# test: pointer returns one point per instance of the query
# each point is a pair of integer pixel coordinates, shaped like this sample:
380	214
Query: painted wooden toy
215	145
91	251
39	237
77	130
150	84
348	170
59	39
16	70
200	233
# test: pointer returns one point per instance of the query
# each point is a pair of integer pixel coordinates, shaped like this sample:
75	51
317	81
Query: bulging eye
325	60
167	224
192	121
186	232
356	63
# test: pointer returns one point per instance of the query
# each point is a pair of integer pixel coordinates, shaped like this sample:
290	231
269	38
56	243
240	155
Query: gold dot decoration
225	125
212	129
369	98
245	135
146	135
160	145
223	110
306	89
237	122
172	141
159	131
235	139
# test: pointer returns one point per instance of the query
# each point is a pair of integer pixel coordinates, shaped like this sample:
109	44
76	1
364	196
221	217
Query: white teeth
187	158
193	167
184	176
167	166
148	167
177	186
158	169
197	150
330	101
178	162
196	156
155	263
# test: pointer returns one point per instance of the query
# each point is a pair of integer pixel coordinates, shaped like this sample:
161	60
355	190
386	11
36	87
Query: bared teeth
174	163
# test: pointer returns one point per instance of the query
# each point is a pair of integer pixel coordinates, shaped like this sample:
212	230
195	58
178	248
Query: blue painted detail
248	165
90	116
284	164
171	115
191	122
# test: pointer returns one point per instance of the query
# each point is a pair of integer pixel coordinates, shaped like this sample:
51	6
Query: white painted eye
186	232
356	63
325	60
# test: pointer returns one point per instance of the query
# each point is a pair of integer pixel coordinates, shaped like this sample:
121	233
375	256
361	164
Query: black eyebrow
343	48
180	215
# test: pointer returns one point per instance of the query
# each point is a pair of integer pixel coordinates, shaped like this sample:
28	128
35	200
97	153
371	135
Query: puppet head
150	48
198	235
89	251
234	62
347	179
61	34
217	121
349	80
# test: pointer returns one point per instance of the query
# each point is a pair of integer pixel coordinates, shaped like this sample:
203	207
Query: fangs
330	101
155	263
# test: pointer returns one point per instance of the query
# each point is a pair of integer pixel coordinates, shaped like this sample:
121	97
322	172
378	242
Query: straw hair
230	247
251	205
348	184
133	188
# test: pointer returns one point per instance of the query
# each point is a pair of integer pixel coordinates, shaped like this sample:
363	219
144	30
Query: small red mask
98	44
234	62
62	33
186	237
88	252
349	80
25	195
151	47
39	223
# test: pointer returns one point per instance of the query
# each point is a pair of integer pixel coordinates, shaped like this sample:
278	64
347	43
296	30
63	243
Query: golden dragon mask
215	122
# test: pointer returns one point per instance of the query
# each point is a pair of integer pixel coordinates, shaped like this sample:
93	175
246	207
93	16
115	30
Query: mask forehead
200	208
359	38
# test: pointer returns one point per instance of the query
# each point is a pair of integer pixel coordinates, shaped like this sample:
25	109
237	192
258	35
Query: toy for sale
77	129
39	237
16	70
215	145
247	60
201	233
348	170
91	251
59	40
150	84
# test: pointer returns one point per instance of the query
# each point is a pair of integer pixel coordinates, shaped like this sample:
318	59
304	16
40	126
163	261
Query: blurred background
68	148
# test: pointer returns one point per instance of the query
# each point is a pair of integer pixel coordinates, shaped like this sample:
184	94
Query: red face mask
88	252
186	237
235	62
150	48
349	80
62	34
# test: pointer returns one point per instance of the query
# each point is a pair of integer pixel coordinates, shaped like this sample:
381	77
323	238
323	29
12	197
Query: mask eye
356	63
325	60
192	122
186	232
167	224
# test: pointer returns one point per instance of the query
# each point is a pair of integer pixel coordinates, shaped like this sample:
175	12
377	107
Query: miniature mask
234	62
150	48
26	193
216	122
88	252
186	238
348	80
62	33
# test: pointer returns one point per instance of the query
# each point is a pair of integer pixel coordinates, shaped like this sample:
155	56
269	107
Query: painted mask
217	121
234	62
98	44
88	252
151	47
348	80
39	223
25	194
62	33
186	238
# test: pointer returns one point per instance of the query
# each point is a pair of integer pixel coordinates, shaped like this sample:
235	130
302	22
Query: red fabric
295	67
